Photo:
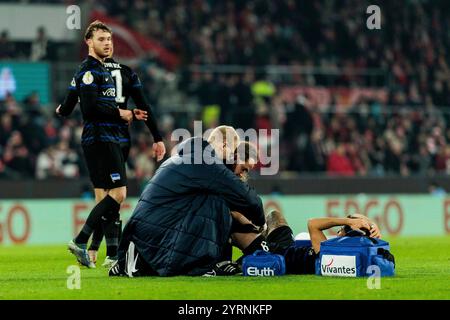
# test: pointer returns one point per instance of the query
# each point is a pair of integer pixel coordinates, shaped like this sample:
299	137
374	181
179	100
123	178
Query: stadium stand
351	102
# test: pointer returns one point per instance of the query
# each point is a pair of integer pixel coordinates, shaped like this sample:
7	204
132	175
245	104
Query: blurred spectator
339	163
46	164
57	161
436	190
16	156
145	165
67	161
6	128
407	134
442	160
338	143
7	82
316	152
6	46
6	173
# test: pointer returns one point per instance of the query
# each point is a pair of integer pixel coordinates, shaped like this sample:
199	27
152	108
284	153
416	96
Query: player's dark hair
347	229
94	26
248	150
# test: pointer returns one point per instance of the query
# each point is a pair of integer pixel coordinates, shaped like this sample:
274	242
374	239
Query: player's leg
118	191
274	219
78	245
98	234
280	239
97	157
239	223
125	148
104	208
279	235
113	226
245	235
277	239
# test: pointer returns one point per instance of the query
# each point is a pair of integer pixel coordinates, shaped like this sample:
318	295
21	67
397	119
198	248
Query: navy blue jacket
182	220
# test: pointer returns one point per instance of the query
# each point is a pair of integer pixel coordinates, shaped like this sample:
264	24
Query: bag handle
386	255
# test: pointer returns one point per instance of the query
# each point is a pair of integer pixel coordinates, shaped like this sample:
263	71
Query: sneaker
81	254
116	270
224	268
109	262
93	256
127	267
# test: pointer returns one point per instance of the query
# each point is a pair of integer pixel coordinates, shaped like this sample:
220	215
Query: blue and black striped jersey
127	84
97	93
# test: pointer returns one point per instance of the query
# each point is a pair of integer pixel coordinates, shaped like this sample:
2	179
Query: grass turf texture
39	272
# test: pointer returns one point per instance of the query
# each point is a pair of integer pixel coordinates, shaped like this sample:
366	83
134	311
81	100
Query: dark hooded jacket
182	220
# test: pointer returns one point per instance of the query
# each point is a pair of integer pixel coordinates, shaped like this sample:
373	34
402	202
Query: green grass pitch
40	272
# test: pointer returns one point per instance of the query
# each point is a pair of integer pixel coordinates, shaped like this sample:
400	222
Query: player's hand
374	229
159	150
140	115
358	224
58	110
126	115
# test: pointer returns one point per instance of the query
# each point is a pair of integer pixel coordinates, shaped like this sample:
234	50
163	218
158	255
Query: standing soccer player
127	84
101	138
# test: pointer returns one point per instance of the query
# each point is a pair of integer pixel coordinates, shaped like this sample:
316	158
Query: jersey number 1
118	79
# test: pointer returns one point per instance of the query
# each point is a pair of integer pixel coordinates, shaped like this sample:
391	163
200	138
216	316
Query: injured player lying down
279	239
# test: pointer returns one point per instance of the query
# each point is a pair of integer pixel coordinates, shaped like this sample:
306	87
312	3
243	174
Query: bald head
224	140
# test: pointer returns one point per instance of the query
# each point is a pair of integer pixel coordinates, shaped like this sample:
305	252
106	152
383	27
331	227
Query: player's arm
316	227
70	101
374	229
238	195
138	96
88	89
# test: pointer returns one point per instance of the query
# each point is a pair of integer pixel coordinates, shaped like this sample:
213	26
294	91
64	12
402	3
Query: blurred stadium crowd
406	133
